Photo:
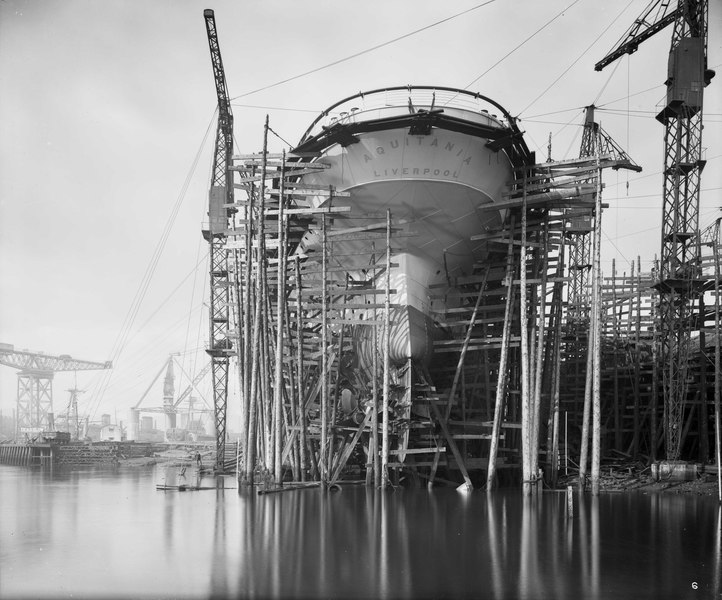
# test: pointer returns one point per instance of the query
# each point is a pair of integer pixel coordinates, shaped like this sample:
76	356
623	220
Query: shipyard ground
622	476
637	477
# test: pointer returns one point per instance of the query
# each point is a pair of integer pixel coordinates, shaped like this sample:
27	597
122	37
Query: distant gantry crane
35	385
679	281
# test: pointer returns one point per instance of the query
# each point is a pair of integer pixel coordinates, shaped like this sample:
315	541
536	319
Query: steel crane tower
679	267
595	142
35	384
220	347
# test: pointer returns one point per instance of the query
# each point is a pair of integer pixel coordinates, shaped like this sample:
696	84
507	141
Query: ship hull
438	188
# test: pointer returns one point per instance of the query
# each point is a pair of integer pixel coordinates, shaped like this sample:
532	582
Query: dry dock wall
72	454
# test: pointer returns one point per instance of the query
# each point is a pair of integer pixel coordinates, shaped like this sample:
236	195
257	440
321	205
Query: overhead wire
554	112
615	245
135	370
125	331
366	51
575	137
281	108
606	83
584	52
193	271
628	96
529	38
206	258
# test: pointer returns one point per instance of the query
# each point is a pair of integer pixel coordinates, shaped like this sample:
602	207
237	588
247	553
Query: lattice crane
170	407
679	268
220	195
595	142
35	384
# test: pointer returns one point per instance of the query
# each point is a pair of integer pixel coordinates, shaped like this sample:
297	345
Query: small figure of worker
198	460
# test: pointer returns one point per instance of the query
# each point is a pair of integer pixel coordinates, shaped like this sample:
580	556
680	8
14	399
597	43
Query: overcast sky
106	137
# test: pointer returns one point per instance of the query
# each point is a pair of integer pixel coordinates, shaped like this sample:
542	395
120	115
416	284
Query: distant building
111	433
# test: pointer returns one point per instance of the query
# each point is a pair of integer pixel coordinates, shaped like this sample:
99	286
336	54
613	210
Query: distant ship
436	157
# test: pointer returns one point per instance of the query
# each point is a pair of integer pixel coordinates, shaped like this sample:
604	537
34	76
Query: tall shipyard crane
170	407
220	347
595	141
35	384
679	267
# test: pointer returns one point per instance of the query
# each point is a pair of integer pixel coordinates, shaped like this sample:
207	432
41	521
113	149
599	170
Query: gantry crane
220	347
679	272
35	384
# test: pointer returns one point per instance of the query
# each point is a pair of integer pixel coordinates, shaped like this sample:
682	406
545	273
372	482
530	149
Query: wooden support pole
300	373
539	362
266	397
434	465
293	420
242	309
248	332
252	404
387	360
597	310
280	316
587	411
502	375
465	344
345	455
703	419
374	441
526	421
615	332
323	454
655	375
636	434
258	337
553	438
454	449
337	391
717	365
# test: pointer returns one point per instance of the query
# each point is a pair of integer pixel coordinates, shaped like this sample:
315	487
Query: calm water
111	534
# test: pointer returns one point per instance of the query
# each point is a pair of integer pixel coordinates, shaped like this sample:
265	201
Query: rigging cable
553	83
503	58
122	338
362	52
192	368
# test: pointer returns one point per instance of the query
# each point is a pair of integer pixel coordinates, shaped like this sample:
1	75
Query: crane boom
224	139
192	385
39	361
218	72
641	30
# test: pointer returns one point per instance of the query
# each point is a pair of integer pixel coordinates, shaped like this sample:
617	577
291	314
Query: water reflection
354	543
219	574
362	542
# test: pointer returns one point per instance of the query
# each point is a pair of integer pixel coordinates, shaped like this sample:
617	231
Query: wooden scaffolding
515	385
